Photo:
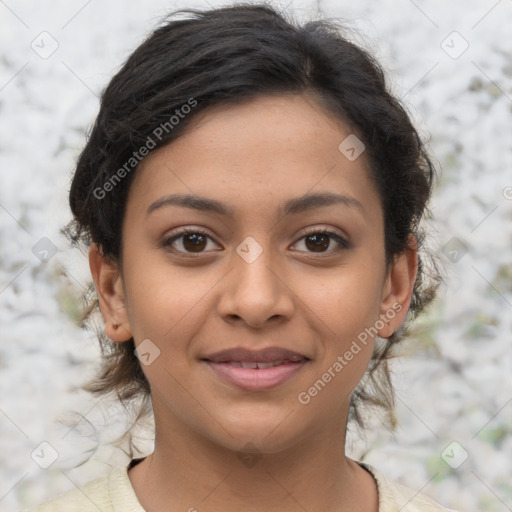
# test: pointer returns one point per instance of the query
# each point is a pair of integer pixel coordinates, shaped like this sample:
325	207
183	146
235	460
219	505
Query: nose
256	291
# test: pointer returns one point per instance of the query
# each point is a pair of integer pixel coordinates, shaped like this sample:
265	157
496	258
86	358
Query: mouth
256	370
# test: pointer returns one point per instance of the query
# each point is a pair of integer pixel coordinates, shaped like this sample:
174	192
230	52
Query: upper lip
265	355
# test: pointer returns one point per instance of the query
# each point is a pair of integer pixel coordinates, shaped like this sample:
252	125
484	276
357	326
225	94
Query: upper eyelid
309	231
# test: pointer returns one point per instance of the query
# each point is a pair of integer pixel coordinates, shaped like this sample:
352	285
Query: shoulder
92	496
394	497
111	493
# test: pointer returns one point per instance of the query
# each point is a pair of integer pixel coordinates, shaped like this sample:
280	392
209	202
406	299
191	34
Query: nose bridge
252	264
256	291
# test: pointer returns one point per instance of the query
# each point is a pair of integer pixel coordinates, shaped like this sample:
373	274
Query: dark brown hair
233	54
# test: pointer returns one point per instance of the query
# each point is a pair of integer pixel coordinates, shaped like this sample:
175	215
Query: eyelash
342	242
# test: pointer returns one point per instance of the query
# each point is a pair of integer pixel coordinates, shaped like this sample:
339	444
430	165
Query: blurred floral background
451	65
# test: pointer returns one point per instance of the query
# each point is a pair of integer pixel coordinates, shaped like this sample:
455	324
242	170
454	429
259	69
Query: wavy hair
229	55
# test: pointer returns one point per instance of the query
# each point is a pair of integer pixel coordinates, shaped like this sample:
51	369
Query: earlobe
398	288
109	286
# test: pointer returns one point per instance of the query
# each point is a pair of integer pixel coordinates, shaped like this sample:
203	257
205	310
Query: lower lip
256	379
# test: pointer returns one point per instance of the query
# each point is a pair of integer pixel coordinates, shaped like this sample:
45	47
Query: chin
261	433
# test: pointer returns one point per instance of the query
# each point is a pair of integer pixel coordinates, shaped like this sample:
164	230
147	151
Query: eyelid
310	230
340	239
181	232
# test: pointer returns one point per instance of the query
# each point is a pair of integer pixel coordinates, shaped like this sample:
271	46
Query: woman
252	194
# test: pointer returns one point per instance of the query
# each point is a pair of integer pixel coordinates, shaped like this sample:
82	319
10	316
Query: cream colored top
114	493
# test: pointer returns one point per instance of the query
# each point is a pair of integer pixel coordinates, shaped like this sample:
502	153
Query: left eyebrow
290	207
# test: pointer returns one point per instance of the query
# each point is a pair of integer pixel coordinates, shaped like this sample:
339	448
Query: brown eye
190	241
319	241
194	242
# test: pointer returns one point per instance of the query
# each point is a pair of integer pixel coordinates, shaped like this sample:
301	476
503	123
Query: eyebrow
289	207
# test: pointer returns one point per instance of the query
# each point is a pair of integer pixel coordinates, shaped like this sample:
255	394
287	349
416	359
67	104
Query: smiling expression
252	231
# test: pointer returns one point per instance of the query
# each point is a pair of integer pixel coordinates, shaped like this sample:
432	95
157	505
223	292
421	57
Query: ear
398	288
109	286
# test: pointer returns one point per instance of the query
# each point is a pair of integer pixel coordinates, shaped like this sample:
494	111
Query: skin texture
252	157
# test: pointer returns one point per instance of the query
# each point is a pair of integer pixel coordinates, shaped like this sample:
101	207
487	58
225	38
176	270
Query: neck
189	472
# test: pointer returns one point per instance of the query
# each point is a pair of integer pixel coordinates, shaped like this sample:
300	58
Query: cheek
344	310
345	307
344	302
163	299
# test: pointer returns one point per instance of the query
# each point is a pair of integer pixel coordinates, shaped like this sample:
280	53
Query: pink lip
256	379
227	365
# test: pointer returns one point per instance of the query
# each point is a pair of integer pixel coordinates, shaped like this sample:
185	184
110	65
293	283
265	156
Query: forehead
255	155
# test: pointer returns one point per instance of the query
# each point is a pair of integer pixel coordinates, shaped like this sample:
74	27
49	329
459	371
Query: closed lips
253	370
258	365
265	358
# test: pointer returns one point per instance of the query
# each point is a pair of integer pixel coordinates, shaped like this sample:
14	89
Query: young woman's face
255	185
